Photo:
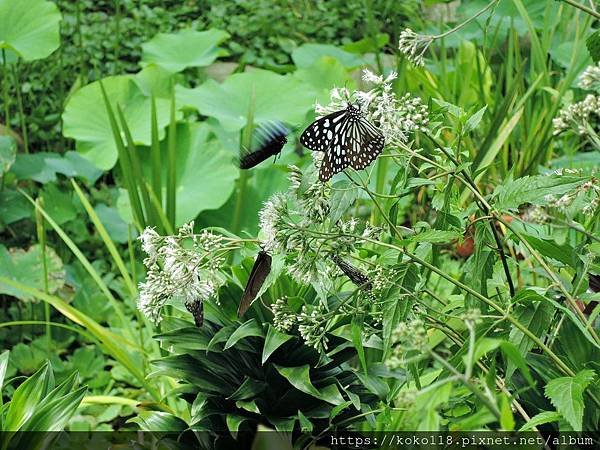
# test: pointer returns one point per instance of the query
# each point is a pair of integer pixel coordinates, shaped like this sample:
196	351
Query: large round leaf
276	97
188	48
306	55
206	173
26	267
29	27
86	119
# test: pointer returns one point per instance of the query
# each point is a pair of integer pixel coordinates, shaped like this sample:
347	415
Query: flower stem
584	8
470	19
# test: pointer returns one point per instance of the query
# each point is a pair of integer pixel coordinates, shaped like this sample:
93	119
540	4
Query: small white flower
590	78
414	46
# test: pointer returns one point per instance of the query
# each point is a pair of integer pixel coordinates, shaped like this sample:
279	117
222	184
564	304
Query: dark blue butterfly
346	137
269	140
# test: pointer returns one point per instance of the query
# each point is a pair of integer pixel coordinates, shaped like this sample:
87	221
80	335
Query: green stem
41	234
5	90
20	108
584	8
470	19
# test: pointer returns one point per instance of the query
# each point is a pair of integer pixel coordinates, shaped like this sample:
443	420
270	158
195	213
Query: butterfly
270	140
346	137
355	275
258	275
196	308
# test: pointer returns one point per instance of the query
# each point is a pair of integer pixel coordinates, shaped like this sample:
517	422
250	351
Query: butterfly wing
270	141
258	275
319	135
196	308
337	157
365	144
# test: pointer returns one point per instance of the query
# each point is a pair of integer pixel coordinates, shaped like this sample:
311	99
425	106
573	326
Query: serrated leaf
473	121
566	394
540	419
593	45
537	190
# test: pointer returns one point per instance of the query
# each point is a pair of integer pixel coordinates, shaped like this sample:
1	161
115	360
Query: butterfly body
346	137
355	275
258	275
270	141
196	308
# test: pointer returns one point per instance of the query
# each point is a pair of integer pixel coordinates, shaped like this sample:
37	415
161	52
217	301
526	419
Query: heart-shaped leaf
26	267
8	150
275	97
86	119
187	48
29	27
307	54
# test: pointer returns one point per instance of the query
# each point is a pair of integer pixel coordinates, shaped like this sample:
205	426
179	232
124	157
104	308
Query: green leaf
115	226
8	152
196	153
540	419
233	422
26	399
536	190
26	267
3	366
396	308
58	204
512	354
593	45
273	341
159	421
534	313
434	236
248	389
356	332
250	328
566	394
43	167
550	249
229	102
30	28
54	415
343	195
13	207
306	425
187	48
86	119
473	121
306	55
326	73
299	377
507	421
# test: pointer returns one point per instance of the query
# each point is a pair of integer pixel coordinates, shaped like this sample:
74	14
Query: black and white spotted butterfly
346	137
270	139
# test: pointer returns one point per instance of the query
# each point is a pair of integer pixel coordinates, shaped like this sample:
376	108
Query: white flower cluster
581	117
590	189
296	224
405	337
395	117
283	317
184	266
590	78
311	327
413	46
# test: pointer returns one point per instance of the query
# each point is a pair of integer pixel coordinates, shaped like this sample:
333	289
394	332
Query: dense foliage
451	285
